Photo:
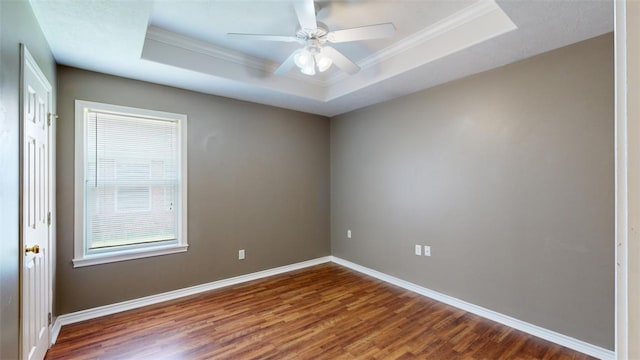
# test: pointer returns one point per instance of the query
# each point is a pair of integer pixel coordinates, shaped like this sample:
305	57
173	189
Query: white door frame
51	240
621	191
627	78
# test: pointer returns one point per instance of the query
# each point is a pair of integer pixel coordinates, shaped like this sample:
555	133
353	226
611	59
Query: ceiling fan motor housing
319	34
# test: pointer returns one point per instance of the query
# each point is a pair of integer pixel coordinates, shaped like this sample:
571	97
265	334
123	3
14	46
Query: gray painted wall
508	175
17	25
258	180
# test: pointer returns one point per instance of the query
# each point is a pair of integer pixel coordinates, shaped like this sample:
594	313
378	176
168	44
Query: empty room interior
319	180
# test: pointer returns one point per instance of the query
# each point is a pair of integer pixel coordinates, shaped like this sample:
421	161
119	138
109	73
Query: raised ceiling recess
455	29
186	44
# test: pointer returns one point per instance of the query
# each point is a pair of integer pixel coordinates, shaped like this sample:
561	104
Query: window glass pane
131	181
133	198
133	170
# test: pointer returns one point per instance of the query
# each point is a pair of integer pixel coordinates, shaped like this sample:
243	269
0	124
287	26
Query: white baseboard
171	295
55	330
528	328
534	330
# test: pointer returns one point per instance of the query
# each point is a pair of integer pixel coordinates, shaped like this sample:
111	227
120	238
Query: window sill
129	255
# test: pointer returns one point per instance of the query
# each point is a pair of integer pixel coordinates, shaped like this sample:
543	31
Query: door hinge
50	118
49	318
49	218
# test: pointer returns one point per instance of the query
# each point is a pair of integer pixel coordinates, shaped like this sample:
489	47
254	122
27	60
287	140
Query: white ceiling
183	43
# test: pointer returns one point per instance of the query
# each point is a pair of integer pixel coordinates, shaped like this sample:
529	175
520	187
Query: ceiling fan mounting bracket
319	33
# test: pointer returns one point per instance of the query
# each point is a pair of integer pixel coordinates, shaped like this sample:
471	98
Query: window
130	183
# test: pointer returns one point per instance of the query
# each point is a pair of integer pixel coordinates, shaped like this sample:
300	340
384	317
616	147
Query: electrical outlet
427	250
348	234
419	250
241	254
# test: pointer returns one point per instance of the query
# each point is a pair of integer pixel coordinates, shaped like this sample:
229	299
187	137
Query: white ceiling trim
192	57
460	18
205	48
478	22
456	33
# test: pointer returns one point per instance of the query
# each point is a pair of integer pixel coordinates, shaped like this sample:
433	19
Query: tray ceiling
184	44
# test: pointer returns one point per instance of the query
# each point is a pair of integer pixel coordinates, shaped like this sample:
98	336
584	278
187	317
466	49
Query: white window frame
81	257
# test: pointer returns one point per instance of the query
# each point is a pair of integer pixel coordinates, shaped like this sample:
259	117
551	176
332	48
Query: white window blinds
131	182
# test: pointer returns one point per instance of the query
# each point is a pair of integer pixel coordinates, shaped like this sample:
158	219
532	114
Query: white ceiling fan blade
286	65
340	60
362	33
264	37
306	12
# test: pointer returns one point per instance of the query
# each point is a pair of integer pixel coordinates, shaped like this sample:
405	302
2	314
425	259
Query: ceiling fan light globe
309	70
303	58
323	62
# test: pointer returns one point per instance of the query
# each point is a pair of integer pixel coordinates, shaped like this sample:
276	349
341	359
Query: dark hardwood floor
322	312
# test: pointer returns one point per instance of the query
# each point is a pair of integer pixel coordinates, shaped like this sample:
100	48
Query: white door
36	283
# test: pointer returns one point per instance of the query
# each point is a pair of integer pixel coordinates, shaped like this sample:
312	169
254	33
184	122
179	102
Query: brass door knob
34	249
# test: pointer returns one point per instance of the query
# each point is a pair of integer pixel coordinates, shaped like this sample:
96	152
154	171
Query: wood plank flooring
322	312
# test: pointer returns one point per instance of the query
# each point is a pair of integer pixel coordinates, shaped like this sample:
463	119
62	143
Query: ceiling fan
316	54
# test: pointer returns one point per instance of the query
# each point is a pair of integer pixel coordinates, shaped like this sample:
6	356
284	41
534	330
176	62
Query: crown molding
205	48
440	28
471	26
480	21
219	53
